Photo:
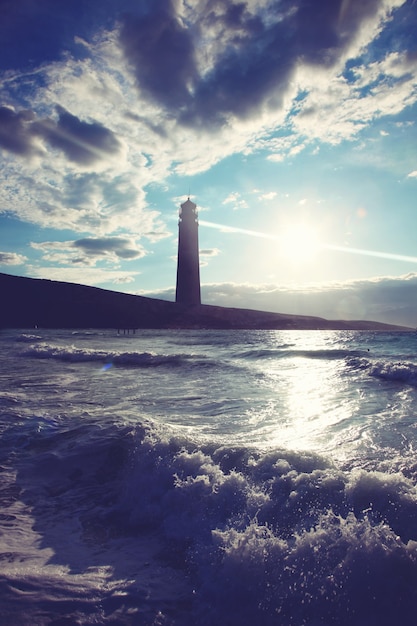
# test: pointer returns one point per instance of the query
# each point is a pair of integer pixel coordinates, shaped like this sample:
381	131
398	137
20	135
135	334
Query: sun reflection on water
310	400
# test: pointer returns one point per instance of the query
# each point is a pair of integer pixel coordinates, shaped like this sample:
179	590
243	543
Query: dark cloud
325	28
160	49
15	133
121	247
257	54
251	57
82	142
37	31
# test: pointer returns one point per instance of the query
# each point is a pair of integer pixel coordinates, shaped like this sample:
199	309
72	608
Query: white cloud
85	276
339	109
276	158
385	299
392	300
57	188
268	196
412	174
236	201
12	258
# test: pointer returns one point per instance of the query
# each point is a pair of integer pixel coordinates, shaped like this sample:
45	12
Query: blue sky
291	123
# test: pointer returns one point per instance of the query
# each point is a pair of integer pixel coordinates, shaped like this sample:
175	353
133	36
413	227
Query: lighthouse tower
188	268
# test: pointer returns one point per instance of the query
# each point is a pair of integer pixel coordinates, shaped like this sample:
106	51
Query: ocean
208	478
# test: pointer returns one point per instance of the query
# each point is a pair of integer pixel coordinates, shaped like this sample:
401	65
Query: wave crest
73	354
396	372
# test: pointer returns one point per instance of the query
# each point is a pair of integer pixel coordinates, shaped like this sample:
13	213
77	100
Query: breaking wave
73	354
396	372
283	537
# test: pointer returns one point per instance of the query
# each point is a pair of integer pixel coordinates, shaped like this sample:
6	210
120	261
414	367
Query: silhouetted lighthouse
188	268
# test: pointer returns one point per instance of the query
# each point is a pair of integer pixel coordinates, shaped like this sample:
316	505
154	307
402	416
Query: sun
299	243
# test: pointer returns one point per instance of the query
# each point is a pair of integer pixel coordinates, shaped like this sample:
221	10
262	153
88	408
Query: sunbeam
317	245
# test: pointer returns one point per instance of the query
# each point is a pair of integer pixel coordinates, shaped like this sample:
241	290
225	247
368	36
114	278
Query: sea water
208	478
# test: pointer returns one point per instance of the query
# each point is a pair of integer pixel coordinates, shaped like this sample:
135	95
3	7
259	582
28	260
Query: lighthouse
188	267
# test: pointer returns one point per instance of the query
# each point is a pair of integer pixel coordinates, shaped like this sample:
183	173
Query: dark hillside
30	302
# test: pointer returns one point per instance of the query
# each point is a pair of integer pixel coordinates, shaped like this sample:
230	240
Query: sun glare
298	243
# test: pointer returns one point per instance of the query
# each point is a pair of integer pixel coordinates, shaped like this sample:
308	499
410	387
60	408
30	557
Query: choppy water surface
208	477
